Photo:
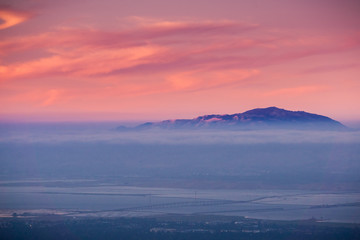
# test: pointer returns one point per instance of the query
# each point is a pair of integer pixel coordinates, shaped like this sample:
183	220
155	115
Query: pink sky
161	59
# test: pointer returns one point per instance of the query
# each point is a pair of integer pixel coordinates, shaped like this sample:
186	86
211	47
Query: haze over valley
177	170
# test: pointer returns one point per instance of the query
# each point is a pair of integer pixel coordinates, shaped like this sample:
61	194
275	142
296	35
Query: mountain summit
259	118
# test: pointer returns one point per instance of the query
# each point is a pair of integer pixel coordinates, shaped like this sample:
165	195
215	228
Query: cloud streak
295	91
155	47
10	18
146	56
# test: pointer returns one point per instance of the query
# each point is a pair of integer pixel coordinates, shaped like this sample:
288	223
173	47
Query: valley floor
171	227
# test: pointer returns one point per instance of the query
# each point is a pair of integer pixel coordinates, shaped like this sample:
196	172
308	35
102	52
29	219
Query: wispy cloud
330	68
155	46
51	96
10	17
147	56
295	91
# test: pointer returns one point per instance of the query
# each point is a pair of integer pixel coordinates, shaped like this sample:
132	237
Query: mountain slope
260	118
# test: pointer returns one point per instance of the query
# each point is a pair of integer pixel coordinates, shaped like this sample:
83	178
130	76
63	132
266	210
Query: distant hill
259	118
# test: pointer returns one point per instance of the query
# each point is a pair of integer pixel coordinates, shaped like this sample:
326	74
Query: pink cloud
330	68
294	91
72	51
179	46
10	17
192	81
153	57
51	96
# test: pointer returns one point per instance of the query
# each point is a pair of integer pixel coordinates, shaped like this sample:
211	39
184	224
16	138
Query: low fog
107	133
195	159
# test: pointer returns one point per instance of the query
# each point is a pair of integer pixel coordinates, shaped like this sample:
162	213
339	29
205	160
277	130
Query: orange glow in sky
150	60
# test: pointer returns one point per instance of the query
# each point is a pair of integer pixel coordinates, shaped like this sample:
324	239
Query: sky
140	60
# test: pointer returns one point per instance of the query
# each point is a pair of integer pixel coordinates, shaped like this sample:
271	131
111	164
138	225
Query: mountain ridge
258	118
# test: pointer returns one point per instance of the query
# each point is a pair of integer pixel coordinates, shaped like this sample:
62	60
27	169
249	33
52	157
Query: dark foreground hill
259	118
176	227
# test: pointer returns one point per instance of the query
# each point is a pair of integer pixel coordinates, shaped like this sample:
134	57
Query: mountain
259	118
